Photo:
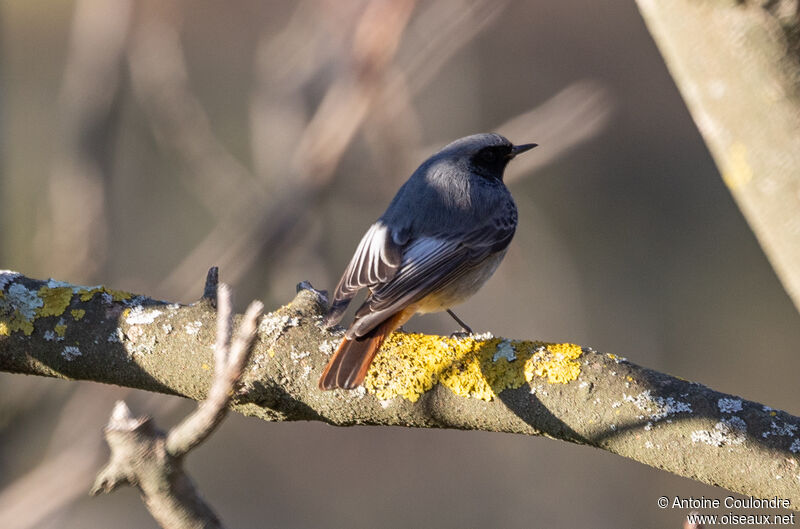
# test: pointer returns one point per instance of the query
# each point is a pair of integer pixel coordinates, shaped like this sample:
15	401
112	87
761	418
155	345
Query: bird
441	237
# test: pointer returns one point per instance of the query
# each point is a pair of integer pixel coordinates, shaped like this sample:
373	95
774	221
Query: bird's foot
465	329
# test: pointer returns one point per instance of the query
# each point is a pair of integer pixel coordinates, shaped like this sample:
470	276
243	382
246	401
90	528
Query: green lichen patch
14	323
77	314
411	364
54	300
88	293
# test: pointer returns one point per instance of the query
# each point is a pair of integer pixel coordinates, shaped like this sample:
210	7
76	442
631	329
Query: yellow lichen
117	295
60	329
77	314
16	322
557	362
55	300
410	364
736	170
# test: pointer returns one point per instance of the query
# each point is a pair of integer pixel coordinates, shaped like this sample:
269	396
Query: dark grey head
484	154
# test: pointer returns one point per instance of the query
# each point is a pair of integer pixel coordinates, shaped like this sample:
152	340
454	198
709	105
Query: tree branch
561	391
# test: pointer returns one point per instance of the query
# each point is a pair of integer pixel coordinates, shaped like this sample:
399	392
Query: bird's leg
465	329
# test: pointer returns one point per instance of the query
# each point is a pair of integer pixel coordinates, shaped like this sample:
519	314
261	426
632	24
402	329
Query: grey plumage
441	237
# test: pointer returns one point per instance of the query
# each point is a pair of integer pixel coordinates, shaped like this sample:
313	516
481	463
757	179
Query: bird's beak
519	149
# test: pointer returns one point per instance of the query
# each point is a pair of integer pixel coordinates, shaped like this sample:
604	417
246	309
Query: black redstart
440	239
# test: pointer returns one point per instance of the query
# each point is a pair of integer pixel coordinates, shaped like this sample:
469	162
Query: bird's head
483	154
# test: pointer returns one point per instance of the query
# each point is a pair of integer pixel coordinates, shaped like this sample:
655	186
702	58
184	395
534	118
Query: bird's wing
375	262
430	264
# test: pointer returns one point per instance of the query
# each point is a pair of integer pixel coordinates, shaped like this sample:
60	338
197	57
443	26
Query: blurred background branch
737	65
78	228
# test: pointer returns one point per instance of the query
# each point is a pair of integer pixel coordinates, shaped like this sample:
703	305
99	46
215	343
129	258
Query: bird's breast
462	288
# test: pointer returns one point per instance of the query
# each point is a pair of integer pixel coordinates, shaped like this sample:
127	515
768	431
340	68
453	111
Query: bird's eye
488	156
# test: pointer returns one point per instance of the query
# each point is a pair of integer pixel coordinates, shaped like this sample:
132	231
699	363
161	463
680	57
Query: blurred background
144	142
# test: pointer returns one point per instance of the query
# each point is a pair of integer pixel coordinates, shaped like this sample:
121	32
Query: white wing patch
375	262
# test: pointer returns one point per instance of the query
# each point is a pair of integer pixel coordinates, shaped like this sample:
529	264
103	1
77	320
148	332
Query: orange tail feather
348	366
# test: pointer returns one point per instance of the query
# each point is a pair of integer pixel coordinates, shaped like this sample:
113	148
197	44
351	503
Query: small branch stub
210	289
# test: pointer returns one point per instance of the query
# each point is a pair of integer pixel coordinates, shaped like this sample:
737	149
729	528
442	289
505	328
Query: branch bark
561	391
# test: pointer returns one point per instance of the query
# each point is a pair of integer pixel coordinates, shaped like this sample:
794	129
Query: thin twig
229	360
144	456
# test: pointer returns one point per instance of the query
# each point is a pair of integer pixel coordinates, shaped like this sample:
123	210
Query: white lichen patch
274	326
727	405
193	327
505	350
140	316
6	277
306	372
54	283
295	355
70	353
140	349
24	301
483	336
795	446
728	431
258	362
327	347
167	328
785	430
649	444
657	408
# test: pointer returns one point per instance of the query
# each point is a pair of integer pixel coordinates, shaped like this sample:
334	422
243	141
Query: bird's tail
349	364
